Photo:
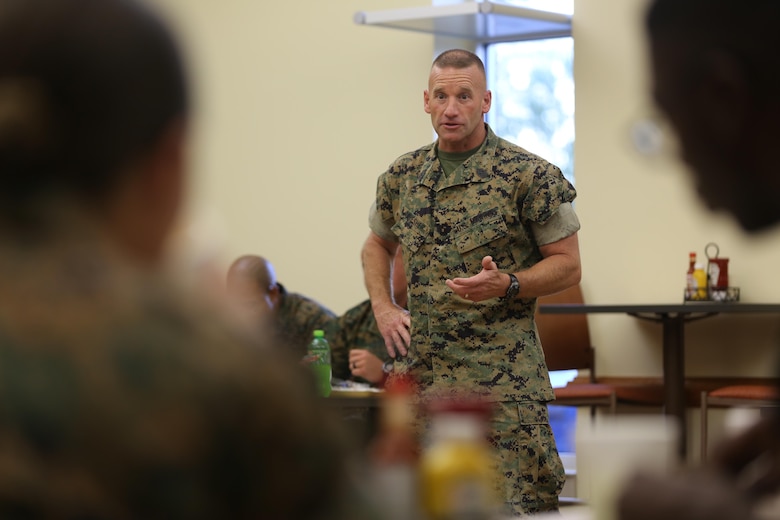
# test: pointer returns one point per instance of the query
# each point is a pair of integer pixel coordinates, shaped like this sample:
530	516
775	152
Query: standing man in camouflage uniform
485	227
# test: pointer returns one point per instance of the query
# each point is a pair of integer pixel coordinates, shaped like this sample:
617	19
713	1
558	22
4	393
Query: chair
747	396
566	343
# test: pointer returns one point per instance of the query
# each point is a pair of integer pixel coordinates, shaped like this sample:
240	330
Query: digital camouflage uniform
120	400
356	328
298	317
445	225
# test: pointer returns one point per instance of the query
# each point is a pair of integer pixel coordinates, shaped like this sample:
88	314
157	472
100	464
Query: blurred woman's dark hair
86	88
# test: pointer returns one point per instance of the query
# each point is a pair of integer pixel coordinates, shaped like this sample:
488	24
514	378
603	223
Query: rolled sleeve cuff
563	223
379	226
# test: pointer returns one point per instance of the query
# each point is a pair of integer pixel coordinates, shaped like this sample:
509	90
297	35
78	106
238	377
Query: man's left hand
488	283
363	363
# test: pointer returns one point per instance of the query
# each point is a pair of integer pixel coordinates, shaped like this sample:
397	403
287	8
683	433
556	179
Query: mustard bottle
700	282
457	469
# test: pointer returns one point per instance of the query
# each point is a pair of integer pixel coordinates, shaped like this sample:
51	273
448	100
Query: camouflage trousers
528	474
529	471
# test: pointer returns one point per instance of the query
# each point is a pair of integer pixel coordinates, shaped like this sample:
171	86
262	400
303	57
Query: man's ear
486	102
143	210
274	295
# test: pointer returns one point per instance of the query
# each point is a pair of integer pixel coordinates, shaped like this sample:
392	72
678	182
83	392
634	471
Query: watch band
514	287
387	366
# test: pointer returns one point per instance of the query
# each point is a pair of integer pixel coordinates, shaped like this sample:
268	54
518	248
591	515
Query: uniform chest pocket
483	235
481	230
412	231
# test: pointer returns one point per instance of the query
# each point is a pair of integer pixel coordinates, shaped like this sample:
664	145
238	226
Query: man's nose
451	108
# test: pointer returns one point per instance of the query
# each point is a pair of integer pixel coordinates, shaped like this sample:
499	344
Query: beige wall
299	110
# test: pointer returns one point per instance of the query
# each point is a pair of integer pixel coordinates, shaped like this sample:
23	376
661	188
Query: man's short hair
458	59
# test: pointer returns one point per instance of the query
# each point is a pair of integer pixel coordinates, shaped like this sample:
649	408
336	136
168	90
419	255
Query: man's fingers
488	263
390	346
395	330
398	342
407	321
403	341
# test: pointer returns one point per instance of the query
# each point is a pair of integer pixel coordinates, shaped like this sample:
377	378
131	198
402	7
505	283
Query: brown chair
566	343
747	396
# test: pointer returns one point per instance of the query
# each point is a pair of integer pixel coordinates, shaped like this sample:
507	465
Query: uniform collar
477	168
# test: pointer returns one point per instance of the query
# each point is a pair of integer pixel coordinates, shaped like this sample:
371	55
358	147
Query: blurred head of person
714	66
93	110
122	402
252	289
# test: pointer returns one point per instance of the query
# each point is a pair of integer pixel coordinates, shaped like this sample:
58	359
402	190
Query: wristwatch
513	289
387	366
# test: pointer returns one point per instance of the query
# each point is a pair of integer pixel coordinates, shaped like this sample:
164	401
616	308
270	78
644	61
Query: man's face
457	100
709	128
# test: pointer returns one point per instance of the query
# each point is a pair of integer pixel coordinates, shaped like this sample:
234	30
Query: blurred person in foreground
262	302
120	397
715	68
485	227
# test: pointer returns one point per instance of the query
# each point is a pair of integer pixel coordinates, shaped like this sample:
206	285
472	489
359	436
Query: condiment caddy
712	284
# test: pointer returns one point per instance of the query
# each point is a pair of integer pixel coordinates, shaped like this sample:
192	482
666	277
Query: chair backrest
565	337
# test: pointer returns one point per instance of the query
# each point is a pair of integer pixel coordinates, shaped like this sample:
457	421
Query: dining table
358	406
672	317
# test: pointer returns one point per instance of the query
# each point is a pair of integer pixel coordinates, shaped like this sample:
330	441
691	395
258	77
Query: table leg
674	376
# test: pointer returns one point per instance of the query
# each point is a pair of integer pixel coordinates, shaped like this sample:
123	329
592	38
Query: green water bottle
319	352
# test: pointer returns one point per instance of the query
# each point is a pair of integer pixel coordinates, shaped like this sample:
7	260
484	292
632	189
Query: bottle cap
319	333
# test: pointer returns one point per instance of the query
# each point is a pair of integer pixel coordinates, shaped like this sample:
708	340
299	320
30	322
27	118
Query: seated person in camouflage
260	300
359	351
121	397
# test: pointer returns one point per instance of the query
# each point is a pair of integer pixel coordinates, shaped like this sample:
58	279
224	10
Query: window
533	97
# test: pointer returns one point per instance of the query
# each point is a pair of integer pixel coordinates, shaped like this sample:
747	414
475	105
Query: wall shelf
483	22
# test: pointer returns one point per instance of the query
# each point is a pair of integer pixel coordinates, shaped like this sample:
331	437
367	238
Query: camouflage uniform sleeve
549	189
380	215
299	317
362	331
379	226
356	329
336	334
561	224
